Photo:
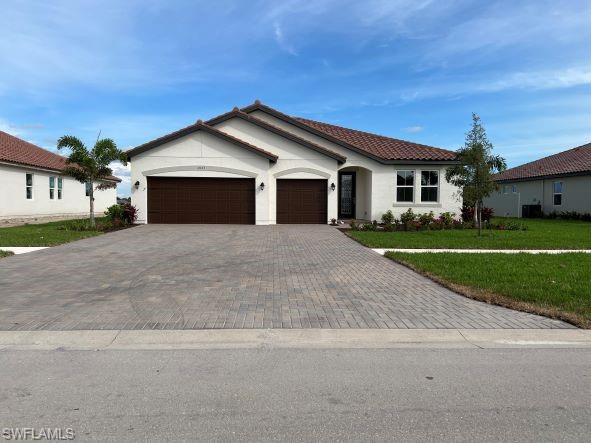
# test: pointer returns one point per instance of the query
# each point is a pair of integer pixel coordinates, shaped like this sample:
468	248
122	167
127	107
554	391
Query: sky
410	69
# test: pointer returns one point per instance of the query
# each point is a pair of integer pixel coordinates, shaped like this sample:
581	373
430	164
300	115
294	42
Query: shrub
508	225
353	225
426	219
407	218
76	225
388	217
487	214
446	219
467	213
125	213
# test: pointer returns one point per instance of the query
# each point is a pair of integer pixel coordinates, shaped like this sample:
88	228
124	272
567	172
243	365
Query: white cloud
281	41
414	129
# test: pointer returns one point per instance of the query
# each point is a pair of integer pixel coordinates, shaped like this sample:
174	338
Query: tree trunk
91	195
479	206
475	215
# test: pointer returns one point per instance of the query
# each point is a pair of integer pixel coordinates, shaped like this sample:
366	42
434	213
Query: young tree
91	166
477	164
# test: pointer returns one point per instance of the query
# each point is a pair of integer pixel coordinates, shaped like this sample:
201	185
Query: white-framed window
60	188
88	187
405	186
29	186
51	187
429	186
514	189
505	189
557	193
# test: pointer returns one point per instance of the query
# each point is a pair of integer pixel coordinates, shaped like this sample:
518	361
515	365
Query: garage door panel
201	200
302	201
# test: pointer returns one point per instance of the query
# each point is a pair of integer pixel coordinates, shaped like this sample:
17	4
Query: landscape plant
91	166
473	175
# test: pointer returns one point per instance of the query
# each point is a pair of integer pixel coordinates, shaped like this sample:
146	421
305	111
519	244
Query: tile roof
383	147
15	150
574	161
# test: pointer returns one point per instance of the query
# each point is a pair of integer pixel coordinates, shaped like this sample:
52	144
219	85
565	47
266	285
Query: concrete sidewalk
382	251
22	249
294	339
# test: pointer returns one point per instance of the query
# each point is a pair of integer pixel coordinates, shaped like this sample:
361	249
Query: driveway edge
295	339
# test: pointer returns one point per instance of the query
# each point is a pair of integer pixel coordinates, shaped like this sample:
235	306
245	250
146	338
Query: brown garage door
301	201
201	200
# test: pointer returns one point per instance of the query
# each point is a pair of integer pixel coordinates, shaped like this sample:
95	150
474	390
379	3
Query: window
88	188
59	188
405	183
29	186
429	185
51	188
505	189
557	193
514	189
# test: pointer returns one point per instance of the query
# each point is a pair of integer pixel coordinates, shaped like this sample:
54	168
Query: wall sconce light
136	184
332	186
262	186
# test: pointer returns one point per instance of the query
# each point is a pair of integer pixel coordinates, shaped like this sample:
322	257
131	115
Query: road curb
295	339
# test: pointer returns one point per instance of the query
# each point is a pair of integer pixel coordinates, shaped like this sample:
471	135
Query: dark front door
201	200
302	201
346	195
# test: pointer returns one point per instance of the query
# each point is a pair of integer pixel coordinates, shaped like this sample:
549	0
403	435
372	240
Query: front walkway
214	276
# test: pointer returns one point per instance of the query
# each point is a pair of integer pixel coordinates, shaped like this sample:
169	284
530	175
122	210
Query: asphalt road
302	394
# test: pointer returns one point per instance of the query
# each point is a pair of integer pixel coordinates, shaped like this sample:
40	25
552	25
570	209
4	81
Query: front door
346	195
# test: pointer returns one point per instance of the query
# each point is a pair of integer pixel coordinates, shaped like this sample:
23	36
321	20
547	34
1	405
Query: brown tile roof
200	126
379	147
15	150
572	162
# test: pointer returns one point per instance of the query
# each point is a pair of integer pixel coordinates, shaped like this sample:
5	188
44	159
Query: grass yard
541	234
45	234
558	286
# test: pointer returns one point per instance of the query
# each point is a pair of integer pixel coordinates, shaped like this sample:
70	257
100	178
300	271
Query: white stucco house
557	183
257	165
32	185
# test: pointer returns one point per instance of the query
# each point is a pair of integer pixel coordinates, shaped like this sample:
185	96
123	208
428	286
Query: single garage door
201	200
301	201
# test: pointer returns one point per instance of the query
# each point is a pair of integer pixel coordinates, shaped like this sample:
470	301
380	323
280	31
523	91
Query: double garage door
232	200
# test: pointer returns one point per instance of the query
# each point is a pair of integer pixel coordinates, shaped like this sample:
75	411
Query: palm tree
91	167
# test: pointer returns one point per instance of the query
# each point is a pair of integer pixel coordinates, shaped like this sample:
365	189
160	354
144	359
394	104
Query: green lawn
542	234
555	285
46	234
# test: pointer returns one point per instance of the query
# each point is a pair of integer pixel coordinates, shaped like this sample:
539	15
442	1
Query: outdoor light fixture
262	186
332	186
137	184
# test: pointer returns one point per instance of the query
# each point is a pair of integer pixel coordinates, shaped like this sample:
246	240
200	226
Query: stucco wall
576	196
14	204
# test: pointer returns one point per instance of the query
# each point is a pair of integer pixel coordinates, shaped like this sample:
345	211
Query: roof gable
575	161
199	126
236	113
20	152
380	148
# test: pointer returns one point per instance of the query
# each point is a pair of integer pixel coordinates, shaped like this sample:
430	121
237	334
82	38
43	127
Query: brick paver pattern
213	276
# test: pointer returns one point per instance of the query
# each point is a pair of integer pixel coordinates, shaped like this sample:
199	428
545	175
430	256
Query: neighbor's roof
17	151
379	147
575	161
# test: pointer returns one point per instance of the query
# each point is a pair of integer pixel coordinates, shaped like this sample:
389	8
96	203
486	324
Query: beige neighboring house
33	187
557	183
257	165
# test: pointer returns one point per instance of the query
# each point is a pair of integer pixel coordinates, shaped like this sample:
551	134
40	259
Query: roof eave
542	177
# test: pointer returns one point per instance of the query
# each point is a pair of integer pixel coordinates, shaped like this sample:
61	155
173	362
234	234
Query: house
257	165
32	186
557	183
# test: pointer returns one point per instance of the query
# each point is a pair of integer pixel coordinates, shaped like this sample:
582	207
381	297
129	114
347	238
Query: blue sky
412	69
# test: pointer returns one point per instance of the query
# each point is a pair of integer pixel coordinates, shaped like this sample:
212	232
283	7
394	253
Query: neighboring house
258	165
559	182
32	186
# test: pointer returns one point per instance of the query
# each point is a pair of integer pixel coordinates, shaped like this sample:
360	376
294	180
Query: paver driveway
211	276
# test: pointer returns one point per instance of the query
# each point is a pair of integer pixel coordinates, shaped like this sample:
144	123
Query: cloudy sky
412	69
